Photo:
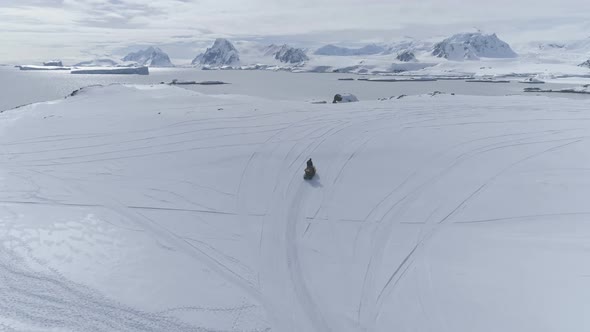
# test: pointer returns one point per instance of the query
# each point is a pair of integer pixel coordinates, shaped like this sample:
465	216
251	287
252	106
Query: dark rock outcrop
406	56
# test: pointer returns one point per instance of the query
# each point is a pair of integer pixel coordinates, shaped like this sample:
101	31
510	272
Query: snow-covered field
155	208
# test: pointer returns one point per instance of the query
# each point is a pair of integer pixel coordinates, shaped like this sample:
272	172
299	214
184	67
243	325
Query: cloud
30	28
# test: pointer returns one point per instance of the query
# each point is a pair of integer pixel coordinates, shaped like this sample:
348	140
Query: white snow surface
154	208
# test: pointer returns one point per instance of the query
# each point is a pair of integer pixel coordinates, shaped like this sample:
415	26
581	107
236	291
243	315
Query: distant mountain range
405	55
459	47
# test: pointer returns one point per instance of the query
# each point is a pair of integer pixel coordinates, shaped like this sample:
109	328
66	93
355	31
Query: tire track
408	198
165	235
46	300
388	288
284	217
306	301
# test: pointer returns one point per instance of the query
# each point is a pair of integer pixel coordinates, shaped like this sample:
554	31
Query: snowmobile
309	173
309	170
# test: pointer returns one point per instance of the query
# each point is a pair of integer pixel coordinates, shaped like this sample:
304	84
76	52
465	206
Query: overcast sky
76	29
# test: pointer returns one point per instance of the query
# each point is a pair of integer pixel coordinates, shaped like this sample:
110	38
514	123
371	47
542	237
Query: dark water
23	87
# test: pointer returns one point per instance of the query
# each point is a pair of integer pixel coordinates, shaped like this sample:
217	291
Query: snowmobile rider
309	164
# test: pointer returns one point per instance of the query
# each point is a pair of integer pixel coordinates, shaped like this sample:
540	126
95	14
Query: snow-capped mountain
222	53
151	57
287	54
472	46
344	51
406	56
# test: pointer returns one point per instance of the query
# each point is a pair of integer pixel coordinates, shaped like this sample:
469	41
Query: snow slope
154	208
472	46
